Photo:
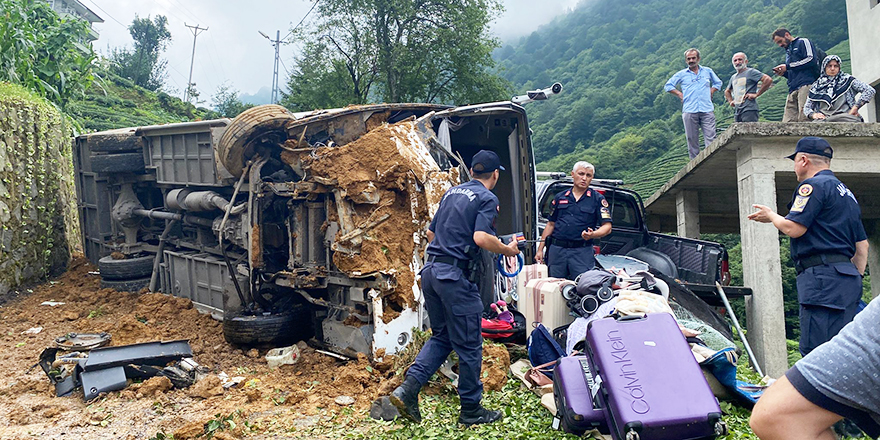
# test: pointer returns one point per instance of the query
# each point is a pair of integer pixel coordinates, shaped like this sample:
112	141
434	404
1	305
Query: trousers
569	262
829	297
794	105
454	308
693	123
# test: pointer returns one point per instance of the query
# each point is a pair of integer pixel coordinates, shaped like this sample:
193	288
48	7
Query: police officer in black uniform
828	244
569	231
464	221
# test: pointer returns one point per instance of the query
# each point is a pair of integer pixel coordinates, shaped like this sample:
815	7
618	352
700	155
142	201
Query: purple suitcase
649	384
575	411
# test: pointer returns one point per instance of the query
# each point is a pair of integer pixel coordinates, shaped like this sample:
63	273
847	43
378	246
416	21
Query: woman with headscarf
833	95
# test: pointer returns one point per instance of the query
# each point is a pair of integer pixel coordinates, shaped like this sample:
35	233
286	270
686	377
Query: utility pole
196	30
277	43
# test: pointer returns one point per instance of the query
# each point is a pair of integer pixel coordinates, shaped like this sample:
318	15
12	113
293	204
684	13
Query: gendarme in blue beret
486	161
813	145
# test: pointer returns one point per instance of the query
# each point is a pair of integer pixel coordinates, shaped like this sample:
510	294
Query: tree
397	51
41	51
226	102
142	64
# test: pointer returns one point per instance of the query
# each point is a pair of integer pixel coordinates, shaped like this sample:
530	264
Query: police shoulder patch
799	203
605	203
805	190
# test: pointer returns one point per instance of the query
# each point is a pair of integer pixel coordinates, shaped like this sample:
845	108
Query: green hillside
116	102
614	56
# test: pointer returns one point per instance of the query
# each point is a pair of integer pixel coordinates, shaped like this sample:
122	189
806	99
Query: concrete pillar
873	230
687	214
762	270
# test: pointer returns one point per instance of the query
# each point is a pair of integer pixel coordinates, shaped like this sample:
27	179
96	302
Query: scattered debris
82	341
331	354
52	303
109	368
383	409
282	356
32	331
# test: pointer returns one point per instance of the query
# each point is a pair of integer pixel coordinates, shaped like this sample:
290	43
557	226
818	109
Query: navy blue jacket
464	209
799	60
571	216
831	214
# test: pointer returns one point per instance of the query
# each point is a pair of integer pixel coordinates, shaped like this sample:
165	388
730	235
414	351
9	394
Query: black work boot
406	399
475	414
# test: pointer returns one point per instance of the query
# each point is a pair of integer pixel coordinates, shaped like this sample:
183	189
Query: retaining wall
39	227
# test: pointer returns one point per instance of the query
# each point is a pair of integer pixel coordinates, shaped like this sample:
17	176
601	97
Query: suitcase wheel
632	435
720	428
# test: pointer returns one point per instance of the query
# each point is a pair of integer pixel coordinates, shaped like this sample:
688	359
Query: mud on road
268	403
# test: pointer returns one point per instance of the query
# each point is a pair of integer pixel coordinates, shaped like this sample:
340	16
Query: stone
344	400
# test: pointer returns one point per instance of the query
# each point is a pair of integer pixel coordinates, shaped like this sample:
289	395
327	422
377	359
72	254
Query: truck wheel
118	163
133	286
127	269
281	328
235	147
116	142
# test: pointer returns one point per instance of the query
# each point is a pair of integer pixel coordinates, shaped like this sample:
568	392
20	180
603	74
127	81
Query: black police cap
813	145
486	161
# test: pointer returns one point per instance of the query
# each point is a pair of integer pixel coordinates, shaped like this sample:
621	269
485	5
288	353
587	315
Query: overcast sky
233	51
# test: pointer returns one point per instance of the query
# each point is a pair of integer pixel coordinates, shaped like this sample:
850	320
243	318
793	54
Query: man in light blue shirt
697	83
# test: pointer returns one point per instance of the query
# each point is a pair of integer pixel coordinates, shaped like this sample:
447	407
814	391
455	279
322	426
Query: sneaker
477	415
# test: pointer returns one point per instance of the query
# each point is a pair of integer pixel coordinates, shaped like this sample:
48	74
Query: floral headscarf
828	88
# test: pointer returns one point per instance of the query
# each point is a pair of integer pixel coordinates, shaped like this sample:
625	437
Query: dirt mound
381	180
271	401
496	363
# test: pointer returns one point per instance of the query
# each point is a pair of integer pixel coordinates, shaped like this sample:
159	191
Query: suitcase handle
631	318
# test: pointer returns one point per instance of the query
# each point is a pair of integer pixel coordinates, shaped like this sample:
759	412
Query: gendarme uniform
829	285
569	255
453	302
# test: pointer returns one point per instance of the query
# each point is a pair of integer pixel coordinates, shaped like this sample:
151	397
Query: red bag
494	328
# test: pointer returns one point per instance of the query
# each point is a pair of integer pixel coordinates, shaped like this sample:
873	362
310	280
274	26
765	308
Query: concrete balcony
747	165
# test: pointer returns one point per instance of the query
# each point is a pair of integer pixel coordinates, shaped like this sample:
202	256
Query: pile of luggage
629	370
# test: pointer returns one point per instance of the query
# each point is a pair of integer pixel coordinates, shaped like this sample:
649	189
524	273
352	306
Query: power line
185	10
196	30
302	20
277	43
108	14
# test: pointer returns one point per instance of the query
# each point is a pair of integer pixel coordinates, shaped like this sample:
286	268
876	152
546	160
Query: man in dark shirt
800	71
464	221
570	230
828	244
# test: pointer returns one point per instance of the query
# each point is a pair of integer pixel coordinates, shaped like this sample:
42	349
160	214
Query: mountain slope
615	55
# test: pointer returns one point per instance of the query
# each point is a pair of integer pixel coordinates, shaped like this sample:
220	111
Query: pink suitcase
543	302
649	384
529	272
